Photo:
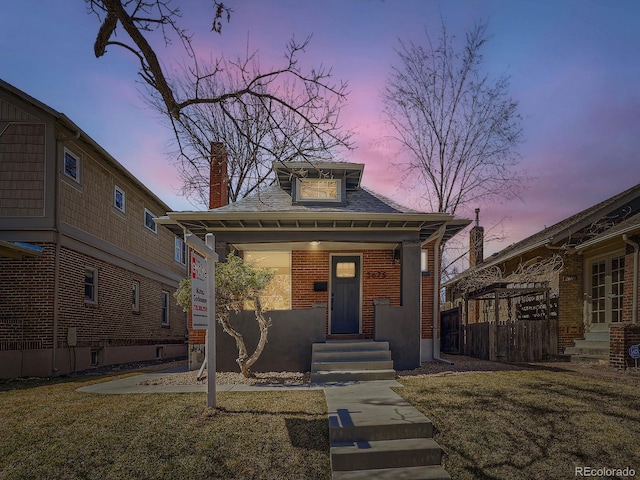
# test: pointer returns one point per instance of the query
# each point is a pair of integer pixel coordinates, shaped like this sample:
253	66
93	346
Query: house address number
376	274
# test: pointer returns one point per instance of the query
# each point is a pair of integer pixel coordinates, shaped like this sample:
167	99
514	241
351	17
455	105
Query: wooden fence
513	342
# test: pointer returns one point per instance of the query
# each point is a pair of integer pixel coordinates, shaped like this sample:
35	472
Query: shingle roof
569	231
275	199
563	230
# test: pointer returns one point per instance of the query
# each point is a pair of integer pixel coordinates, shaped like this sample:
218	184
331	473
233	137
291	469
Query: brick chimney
218	180
476	242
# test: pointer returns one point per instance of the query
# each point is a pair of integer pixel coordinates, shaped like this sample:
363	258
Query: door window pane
345	270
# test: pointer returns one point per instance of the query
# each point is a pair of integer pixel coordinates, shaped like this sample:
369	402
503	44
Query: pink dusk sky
574	68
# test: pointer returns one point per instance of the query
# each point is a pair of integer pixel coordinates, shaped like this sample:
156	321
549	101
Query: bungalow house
350	264
86	276
581	274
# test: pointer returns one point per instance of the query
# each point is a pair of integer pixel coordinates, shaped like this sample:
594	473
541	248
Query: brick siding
622	337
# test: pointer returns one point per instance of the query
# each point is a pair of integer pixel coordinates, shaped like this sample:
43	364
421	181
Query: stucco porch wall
401	328
288	345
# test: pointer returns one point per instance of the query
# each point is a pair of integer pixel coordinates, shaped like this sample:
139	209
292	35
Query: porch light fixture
314	243
424	262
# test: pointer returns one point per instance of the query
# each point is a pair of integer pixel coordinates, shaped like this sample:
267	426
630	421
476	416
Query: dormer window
319	190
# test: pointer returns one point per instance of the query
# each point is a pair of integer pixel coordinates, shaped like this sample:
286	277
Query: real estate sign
199	291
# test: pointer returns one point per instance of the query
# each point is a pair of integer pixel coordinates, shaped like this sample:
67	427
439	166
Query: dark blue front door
345	295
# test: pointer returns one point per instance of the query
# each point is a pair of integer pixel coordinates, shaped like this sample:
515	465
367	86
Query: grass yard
491	425
530	424
48	430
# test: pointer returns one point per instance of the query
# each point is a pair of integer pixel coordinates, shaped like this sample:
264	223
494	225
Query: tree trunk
264	330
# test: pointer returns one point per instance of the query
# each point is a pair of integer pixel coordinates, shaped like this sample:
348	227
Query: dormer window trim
300	190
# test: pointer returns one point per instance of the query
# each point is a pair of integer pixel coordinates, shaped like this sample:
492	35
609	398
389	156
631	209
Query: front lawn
491	425
530	424
51	431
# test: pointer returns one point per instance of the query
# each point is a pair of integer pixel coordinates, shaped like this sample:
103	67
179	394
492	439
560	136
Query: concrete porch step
324	355
349	346
597	336
593	348
372	454
431	472
351	375
345	361
586	358
336	365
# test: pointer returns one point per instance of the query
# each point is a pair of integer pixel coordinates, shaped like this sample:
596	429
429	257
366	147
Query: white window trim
78	164
94	300
300	198
182	253
117	189
144	220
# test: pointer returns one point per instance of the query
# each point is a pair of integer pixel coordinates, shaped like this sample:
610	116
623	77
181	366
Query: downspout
56	260
634	306
436	293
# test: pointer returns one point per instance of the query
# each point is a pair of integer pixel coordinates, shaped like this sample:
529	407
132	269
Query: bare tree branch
283	113
458	130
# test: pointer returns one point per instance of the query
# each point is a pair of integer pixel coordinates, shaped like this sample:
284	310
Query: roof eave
608	236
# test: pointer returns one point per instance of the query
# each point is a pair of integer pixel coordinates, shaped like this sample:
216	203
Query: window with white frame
180	251
72	165
119	198
90	285
148	221
165	309
135	296
319	190
277	295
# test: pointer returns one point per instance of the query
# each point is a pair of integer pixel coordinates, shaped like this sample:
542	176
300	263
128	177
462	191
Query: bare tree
253	131
283	111
458	129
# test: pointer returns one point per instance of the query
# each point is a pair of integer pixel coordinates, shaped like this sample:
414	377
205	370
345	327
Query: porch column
409	335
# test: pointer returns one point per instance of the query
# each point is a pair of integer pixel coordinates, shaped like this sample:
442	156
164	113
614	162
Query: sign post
203	301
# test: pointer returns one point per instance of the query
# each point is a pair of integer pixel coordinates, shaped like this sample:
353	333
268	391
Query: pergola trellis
506	290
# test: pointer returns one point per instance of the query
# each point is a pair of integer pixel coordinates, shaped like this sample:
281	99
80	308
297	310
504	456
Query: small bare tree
237	283
285	111
458	130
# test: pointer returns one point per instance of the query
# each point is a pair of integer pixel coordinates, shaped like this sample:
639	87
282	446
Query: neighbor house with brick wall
592	294
350	264
86	276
